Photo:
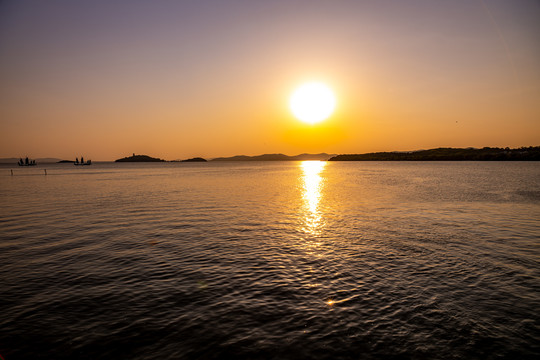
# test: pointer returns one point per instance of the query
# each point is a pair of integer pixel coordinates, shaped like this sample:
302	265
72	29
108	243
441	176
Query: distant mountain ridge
276	157
195	159
531	153
38	160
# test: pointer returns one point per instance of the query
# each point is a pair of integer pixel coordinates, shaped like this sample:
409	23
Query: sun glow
312	102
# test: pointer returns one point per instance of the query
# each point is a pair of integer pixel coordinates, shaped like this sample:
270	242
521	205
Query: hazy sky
177	79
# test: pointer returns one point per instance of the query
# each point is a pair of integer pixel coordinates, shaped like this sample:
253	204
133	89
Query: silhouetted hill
139	158
275	157
38	161
321	156
9	160
449	154
47	160
195	159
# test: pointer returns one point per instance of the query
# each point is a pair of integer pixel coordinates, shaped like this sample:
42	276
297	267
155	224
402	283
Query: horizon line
278	153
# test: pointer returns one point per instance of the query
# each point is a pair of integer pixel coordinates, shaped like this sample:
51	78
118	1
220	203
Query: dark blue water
283	260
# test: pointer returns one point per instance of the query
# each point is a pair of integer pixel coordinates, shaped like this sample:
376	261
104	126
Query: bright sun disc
312	102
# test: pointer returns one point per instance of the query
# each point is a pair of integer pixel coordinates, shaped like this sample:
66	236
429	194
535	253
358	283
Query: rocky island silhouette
195	159
139	158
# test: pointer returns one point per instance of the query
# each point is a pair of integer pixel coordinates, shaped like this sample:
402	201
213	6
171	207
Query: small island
139	158
195	159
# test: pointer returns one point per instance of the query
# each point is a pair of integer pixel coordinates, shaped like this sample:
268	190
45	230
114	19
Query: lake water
273	260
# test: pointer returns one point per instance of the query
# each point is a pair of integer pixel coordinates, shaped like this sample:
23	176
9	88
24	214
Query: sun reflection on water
312	194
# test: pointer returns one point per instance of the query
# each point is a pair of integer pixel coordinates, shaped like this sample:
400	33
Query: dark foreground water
284	260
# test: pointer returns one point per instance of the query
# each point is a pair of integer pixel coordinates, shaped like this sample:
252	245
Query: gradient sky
177	79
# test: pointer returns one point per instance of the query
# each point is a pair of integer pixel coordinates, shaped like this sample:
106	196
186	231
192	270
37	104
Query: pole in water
45	171
11	172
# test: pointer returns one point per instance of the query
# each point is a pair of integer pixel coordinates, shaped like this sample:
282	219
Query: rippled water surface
274	260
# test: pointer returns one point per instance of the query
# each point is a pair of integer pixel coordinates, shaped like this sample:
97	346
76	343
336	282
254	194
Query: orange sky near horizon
210	79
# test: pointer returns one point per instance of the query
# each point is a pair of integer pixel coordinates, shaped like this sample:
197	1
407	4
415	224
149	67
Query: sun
312	102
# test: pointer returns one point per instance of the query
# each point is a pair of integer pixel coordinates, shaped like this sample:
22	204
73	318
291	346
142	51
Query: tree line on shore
531	153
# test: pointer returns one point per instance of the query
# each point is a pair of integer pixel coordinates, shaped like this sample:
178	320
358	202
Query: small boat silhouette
89	162
26	162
